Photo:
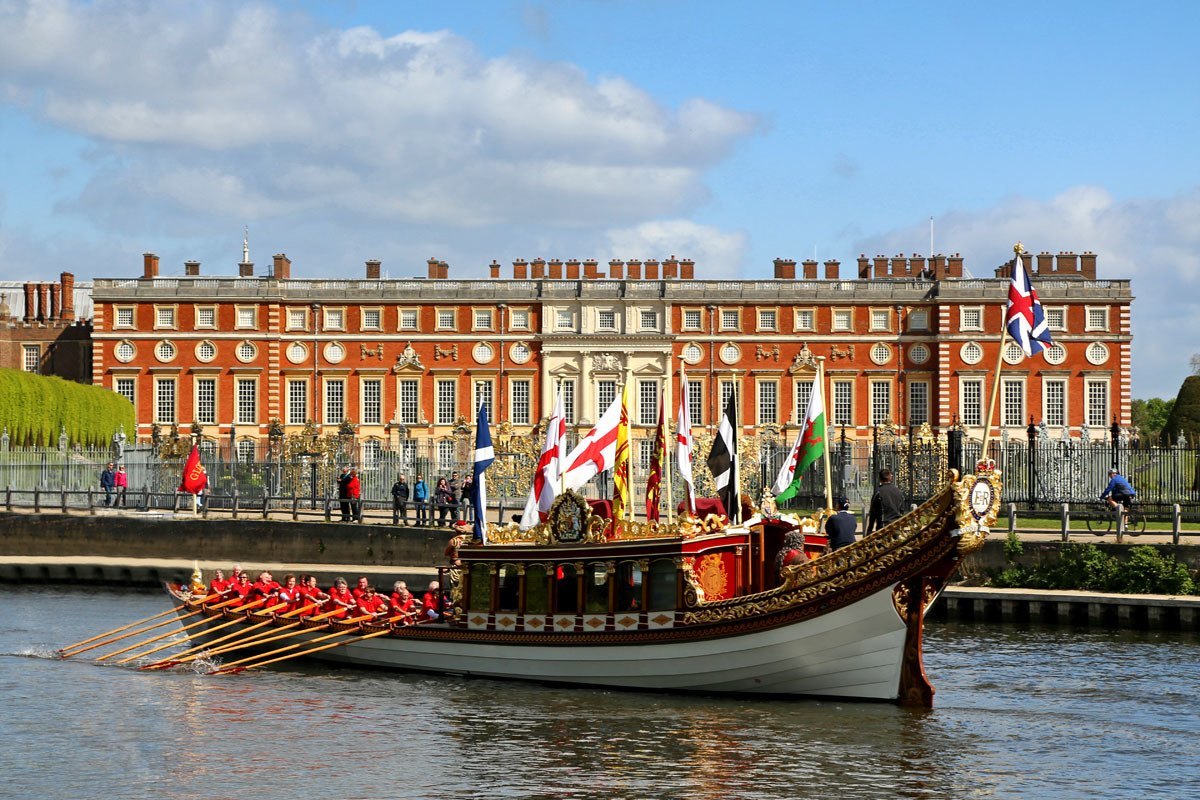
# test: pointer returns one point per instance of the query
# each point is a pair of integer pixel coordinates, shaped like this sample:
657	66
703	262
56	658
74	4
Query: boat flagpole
665	406
562	468
819	386
1018	249
737	424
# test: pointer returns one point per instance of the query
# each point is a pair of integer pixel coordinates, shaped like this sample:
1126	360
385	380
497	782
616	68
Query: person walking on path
841	526
887	504
108	481
400	493
121	484
354	493
343	487
420	495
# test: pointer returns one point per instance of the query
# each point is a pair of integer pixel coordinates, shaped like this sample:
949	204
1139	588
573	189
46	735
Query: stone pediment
409	360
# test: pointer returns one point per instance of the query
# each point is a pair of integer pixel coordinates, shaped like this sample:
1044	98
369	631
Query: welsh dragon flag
809	446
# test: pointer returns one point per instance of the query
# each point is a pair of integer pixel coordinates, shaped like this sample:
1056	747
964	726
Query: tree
1150	417
1185	416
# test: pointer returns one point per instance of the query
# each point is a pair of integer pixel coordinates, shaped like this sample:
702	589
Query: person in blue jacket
420	495
1118	490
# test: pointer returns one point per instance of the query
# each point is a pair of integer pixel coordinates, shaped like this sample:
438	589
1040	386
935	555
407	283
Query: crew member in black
887	505
841	526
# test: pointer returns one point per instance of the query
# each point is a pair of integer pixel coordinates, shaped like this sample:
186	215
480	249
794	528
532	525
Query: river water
1026	712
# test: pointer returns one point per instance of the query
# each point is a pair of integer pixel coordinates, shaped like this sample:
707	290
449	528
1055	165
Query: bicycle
1105	520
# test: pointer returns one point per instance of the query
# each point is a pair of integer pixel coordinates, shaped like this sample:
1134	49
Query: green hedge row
35	408
1086	567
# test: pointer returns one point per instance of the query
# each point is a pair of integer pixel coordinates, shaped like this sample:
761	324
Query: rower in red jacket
371	603
290	593
265	587
403	602
361	589
239	589
312	594
219	583
431	602
340	599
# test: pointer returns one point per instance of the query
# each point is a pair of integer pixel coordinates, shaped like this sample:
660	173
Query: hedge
35	408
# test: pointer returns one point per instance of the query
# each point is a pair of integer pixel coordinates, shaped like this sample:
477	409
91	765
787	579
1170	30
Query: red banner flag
194	477
658	459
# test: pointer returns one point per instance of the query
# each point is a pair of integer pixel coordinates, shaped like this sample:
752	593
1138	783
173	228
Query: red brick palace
907	340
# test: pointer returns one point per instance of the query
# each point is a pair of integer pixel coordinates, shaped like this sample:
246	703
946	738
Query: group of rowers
339	602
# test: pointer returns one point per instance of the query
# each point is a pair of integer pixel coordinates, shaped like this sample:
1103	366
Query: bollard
328	511
175	504
145	497
235	502
266	505
8	498
91	502
1066	521
64	499
295	507
1012	517
1176	523
37	500
203	506
1120	523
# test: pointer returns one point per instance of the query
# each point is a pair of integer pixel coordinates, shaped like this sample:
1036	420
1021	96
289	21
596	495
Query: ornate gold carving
711	575
977	503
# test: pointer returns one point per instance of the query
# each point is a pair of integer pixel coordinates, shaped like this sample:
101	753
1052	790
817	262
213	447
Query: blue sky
728	133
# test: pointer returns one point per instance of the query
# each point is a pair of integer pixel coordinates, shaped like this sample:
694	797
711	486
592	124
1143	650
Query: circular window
334	352
246	351
164	351
881	353
730	353
297	353
483	353
1013	354
692	353
1055	354
1097	353
918	354
971	353
206	351
125	351
520	353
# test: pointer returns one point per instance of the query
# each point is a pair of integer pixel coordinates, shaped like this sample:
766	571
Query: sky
728	133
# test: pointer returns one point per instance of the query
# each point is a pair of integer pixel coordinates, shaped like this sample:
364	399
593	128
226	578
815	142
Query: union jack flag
1025	318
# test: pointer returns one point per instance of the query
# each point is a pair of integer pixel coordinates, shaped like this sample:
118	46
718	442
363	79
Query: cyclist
1118	491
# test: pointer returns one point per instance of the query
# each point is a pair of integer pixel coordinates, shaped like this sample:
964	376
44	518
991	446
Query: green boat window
596	588
662	585
508	589
480	587
536	599
629	586
566	590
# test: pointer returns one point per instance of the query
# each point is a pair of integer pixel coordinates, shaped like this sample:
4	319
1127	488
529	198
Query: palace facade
905	340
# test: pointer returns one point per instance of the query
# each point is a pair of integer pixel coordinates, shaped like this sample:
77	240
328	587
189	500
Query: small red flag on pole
194	477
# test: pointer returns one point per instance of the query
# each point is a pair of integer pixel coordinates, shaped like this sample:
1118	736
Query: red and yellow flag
620	501
658	458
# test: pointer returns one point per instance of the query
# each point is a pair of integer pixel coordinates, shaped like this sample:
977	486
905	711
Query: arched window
566	590
509	584
662	585
596	588
629	587
536	599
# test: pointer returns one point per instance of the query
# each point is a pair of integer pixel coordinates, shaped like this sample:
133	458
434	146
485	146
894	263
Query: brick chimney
374	268
616	269
938	265
1068	263
635	270
810	269
652	269
687	269
191	268
881	266
246	269
785	269
1045	263
67	280
916	265
954	266
538	265
833	270
43	311
55	301
443	270
864	267
573	269
671	268
432	265
30	302
149	266
521	270
1087	265
556	269
494	269
591	270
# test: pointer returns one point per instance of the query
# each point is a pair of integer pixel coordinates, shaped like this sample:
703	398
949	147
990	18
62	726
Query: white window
768	319
971	402
1097	403
372	319
519	408
692	353
1097	319
124	317
606	392
606	320
881	319
918	319
126	388
649	320
206	317
32	358
206	351
206	400
804	390
520	319
447	401
164	351
647	402
730	353
843	319
1054	403
447	319
1055	354
805	319
1096	353
520	353
445	455
371	451
564	319
970	318
881	353
691	319
335	401
245	316
568	398
695	390
125	351
372	401
408	319
297	319
1056	319
645	453
297	353
1013	398
881	402
1013	354
297	413
768	402
730	319
483	397
335	320
483	353
971	353
246	351
245	451
164	400
407	403
918	402
728	389
247	400
843	402
918	353
164	317
482	319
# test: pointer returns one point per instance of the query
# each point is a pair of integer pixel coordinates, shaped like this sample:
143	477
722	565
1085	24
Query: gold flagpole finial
1018	248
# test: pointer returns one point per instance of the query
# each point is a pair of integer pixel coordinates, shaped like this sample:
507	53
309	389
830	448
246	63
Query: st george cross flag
722	462
684	443
658	460
1025	318
550	464
810	445
484	456
596	451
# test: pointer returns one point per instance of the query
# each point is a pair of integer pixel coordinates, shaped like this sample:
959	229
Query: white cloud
717	254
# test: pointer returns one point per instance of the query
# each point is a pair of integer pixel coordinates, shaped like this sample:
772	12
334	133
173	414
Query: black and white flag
722	462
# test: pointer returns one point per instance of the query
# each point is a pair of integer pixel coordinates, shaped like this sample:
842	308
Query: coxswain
403	602
340	599
219	584
361	589
430	601
791	553
371	603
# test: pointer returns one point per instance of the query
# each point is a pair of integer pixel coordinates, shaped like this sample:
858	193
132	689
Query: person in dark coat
840	528
455	485
343	486
400	494
443	498
108	479
887	504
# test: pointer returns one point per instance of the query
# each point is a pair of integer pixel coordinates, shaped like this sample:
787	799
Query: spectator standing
343	487
887	504
400	494
455	484
354	493
421	498
443	498
468	492
108	480
121	484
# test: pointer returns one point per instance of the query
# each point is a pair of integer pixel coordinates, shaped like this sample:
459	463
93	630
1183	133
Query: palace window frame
245	318
408	401
166	317
1054	401
842	390
841	319
519	319
166	406
124	317
334	395
1012	402
204	396
370	401
364	314
767	320
606	320
1095	318
882	401
1097	400
692	319
918	402
970	318
445	318
126	386
297	401
802	389
648	393
445	392
333	318
648	320
730	319
970	400
297	318
804	319
766	406
520	397
881	319
408	318
31	358
1056	317
482	319
245	392
202	311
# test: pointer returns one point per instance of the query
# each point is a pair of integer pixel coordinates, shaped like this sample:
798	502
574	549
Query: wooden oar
389	621
291	646
306	652
193	653
146	629
269	636
234	621
62	651
172	633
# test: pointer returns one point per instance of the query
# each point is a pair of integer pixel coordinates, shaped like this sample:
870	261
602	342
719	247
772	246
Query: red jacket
353	488
336	597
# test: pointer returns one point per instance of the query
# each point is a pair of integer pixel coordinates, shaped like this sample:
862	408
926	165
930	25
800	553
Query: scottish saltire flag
1025	318
484	456
722	462
810	446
